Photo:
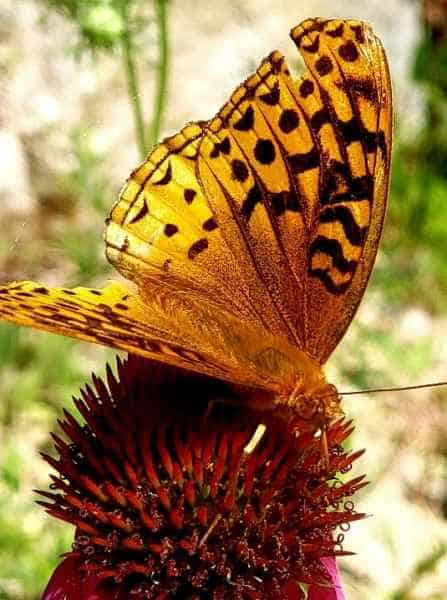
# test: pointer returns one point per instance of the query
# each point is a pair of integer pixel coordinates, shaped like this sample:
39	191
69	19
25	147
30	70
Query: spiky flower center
181	503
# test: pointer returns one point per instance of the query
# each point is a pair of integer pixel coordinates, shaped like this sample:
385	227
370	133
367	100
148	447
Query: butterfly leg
215	401
209	408
210	529
324	448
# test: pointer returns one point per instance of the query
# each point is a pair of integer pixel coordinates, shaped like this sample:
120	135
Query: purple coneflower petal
317	592
69	583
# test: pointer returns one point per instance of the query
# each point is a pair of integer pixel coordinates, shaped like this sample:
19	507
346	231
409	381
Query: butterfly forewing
349	76
168	326
306	175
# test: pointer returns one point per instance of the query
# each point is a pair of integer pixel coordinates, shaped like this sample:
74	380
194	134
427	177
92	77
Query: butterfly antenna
395	389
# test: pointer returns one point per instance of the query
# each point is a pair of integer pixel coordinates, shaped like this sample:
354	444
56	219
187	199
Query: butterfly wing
162	229
168	327
296	173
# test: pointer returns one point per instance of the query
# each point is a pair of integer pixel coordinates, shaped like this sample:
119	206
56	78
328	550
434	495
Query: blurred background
86	88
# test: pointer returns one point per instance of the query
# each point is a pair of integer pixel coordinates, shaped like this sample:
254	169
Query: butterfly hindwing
306	176
111	316
168	327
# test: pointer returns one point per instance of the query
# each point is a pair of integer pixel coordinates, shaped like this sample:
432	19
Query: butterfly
247	240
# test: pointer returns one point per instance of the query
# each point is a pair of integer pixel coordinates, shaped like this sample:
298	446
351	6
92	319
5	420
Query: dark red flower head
172	497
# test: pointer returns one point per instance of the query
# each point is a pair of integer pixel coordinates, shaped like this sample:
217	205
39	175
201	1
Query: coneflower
175	493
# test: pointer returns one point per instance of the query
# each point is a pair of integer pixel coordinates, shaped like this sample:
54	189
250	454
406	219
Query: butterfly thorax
312	399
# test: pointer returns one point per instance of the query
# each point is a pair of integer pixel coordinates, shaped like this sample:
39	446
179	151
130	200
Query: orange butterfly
249	239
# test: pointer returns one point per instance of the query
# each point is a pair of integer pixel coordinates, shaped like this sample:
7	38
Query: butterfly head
319	404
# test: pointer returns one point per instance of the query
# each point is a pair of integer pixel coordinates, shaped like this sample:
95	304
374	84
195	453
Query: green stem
132	81
162	70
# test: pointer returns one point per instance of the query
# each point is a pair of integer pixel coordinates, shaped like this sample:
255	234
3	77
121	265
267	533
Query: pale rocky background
46	92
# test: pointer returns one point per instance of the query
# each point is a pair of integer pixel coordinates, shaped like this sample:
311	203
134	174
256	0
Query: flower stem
132	81
161	7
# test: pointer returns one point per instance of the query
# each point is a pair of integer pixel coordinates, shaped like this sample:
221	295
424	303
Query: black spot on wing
197	248
223	147
239	170
246	122
253	197
348	51
324	65
301	162
140	214
341	214
264	151
306	88
121	306
289	120
210	224
166	177
170	229
271	98
189	195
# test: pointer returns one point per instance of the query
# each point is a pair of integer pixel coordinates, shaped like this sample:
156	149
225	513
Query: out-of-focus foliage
119	25
101	22
418	207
